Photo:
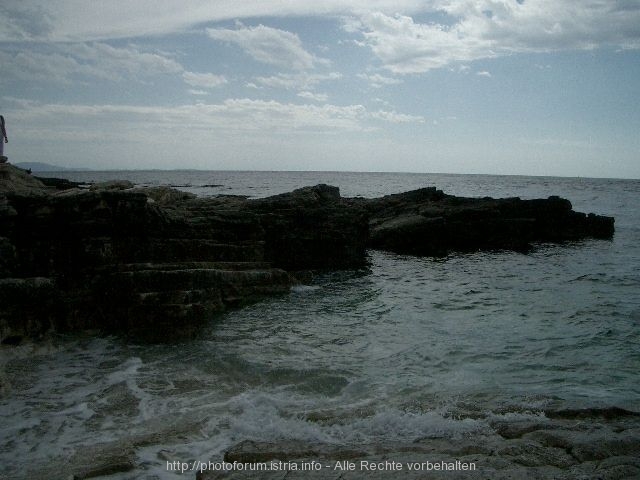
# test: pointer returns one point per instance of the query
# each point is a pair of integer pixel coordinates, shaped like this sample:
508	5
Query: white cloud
474	28
129	60
64	63
238	114
382	101
268	45
73	20
404	46
469	29
297	81
378	81
483	73
197	92
203	80
395	117
480	29
24	20
318	97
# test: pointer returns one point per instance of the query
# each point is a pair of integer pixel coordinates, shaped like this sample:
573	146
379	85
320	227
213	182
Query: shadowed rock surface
156	263
429	222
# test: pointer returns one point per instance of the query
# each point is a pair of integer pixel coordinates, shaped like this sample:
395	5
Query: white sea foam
301	289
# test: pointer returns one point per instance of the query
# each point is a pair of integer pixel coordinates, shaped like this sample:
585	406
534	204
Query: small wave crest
277	416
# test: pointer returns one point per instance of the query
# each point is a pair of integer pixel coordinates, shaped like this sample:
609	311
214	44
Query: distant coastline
47	167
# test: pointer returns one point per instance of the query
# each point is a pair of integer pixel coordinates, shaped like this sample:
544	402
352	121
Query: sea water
404	349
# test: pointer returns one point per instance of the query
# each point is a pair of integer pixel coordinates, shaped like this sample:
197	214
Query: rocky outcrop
429	222
18	182
156	263
312	228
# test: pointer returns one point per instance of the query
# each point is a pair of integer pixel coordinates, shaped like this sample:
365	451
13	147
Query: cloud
268	45
483	73
378	81
395	117
67	63
318	97
297	81
21	21
404	46
480	29
233	115
72	20
203	80
64	63
470	28
197	92
130	61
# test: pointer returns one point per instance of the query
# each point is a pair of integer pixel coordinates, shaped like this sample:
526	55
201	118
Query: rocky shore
586	444
589	444
156	263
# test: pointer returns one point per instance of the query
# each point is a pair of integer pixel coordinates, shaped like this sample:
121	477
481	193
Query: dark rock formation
58	183
429	222
312	228
157	262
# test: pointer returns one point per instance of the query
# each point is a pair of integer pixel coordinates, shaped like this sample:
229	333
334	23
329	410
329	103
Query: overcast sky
538	87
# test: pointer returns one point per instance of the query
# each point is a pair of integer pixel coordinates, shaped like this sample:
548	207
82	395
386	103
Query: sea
404	349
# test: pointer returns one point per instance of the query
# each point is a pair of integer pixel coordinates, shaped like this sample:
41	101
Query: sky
515	87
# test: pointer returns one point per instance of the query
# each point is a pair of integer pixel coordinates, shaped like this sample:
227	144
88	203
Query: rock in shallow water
565	449
429	222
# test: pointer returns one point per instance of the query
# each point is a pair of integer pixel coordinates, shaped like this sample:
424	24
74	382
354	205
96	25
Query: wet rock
513	428
532	454
30	307
112	185
564	449
429	222
7	257
87	462
15	181
609	413
312	228
251	452
163	304
165	195
598	442
615	468
58	183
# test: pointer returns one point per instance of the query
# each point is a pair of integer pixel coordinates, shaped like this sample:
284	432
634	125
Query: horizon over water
407	348
62	171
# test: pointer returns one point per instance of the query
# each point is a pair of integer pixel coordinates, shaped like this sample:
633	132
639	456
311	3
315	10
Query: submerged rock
157	263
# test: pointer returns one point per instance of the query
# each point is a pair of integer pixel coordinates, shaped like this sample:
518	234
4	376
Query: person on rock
3	139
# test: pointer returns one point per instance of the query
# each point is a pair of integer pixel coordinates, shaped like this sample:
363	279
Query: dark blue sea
405	349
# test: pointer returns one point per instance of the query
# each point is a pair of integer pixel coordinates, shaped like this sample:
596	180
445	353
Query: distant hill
45	167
